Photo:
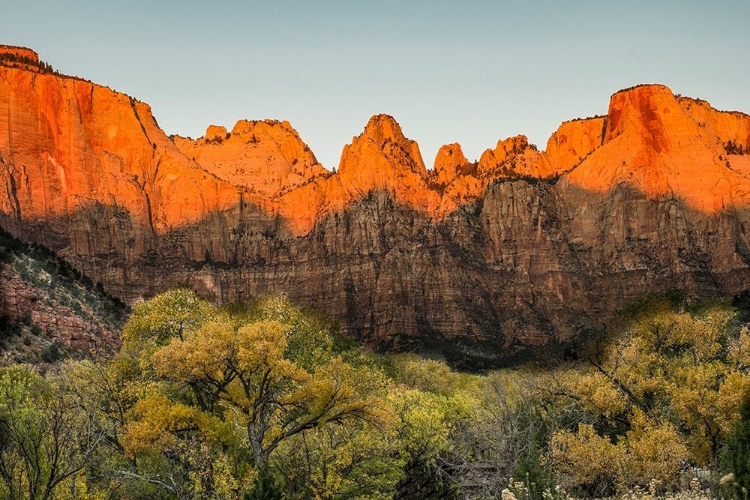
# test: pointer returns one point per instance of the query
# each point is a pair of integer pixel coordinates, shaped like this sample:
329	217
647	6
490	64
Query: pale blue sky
471	71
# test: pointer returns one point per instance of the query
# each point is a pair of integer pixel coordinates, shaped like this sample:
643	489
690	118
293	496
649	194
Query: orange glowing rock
450	163
666	146
265	157
574	141
19	53
67	143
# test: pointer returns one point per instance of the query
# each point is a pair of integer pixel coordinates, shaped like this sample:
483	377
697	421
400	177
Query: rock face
81	330
46	304
263	157
520	248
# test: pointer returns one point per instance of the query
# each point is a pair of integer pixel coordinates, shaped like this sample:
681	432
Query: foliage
664	391
736	455
47	435
239	381
265	401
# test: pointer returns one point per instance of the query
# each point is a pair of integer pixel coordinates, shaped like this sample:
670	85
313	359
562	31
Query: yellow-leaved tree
219	384
664	391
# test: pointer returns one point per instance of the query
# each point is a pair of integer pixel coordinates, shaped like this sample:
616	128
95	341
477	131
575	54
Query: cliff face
263	157
521	247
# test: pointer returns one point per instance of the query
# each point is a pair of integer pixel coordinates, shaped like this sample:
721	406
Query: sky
468	71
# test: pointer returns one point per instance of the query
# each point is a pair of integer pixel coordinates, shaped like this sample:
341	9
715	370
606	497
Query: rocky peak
266	156
381	128
10	52
449	162
215	131
643	108
383	159
662	146
514	157
382	141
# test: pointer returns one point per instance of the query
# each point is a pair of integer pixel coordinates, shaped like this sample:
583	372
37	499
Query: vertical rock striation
480	258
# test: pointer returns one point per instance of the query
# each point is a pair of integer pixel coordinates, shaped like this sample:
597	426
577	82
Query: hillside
49	311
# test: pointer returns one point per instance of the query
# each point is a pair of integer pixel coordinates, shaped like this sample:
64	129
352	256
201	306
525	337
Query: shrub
51	353
736	455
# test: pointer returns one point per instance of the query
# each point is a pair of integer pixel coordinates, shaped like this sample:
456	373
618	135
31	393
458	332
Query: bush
265	487
736	455
51	353
36	330
27	340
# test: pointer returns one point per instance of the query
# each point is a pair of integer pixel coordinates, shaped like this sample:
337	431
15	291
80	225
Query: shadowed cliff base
529	264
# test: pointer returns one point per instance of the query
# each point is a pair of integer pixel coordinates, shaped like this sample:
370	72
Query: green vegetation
732	148
265	402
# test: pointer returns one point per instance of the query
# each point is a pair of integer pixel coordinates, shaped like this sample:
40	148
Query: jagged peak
383	137
511	145
381	128
450	157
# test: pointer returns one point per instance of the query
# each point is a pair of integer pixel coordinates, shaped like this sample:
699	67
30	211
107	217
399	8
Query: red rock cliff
521	246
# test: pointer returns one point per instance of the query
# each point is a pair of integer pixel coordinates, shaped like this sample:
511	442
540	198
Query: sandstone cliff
522	247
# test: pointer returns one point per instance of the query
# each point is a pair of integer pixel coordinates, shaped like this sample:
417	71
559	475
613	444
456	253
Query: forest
267	401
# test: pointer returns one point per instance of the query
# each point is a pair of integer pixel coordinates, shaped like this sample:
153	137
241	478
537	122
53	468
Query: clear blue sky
467	71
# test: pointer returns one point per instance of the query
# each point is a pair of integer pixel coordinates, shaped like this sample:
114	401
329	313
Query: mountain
467	259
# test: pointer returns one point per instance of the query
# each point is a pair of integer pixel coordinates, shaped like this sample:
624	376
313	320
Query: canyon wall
465	259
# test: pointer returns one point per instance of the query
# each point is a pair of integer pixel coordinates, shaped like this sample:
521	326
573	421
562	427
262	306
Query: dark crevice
12	190
137	117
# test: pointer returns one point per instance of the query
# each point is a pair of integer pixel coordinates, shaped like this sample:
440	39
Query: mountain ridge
519	248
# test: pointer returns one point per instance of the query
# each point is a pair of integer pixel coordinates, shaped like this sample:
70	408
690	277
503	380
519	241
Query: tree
340	462
736	455
503	439
47	436
236	383
244	371
665	389
168	315
265	487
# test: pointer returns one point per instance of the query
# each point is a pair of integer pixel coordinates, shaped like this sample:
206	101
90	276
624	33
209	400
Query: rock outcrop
520	248
264	157
46	304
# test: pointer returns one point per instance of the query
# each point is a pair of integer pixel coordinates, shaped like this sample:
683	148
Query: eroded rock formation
519	248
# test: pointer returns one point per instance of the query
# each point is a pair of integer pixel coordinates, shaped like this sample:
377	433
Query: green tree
47	436
736	455
265	487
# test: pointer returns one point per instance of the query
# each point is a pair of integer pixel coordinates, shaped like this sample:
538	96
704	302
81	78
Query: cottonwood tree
47	436
244	371
665	390
235	379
